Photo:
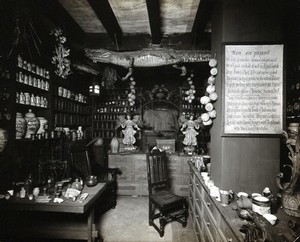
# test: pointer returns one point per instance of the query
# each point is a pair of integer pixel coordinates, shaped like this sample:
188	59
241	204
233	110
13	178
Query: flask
77	184
22	192
79	133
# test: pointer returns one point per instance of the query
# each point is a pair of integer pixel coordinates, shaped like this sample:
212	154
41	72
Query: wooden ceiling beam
153	8
108	19
60	18
203	16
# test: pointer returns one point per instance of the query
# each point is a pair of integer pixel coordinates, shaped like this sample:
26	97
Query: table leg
90	223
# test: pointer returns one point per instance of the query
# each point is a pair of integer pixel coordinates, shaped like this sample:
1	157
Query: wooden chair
163	204
82	164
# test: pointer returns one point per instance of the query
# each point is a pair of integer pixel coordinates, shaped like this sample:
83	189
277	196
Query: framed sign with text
253	87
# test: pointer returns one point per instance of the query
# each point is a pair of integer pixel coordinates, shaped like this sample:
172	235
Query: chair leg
150	214
162	225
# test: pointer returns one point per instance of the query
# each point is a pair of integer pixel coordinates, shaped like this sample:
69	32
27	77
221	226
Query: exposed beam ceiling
108	19
153	8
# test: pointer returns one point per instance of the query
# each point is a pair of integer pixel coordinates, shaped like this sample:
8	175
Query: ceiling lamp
94	89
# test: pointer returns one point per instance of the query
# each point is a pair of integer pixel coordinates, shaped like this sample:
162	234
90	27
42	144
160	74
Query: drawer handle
197	184
208	224
208	204
197	216
230	240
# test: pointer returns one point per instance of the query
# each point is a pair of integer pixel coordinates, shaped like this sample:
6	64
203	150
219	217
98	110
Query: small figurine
188	128
130	126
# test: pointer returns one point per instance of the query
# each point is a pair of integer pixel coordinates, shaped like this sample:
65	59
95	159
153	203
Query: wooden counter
133	180
214	222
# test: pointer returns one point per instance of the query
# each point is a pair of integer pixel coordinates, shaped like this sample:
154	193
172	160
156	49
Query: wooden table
22	218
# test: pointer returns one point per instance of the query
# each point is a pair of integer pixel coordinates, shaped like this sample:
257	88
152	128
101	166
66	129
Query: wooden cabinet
70	109
211	221
133	180
107	109
216	223
32	88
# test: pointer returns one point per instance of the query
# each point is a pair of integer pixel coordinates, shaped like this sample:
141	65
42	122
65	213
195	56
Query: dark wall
244	163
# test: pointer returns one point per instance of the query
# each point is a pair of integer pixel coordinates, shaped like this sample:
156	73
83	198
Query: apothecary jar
21	126
33	123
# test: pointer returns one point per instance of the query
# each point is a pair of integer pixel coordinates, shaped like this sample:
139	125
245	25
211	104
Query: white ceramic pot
33	124
20	126
43	125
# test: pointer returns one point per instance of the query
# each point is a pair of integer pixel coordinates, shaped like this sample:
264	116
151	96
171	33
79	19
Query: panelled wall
244	163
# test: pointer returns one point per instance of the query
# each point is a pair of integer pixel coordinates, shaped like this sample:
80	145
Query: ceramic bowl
244	194
91	181
271	218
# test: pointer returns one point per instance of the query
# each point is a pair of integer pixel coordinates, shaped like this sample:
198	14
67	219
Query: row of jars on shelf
30	125
113	103
191	106
69	106
115	109
63	119
66	93
32	67
104	125
105	133
106	116
30	99
32	81
4	73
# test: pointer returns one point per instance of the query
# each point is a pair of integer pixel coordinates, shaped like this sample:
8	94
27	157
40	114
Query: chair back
79	160
157	170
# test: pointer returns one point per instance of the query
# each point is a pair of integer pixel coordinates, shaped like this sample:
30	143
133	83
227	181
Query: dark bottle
28	185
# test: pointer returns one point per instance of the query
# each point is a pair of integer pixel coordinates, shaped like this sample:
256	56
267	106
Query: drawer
139	158
125	177
140	177
127	159
209	223
140	166
185	179
181	190
129	189
226	232
198	187
185	169
114	158
210	205
198	214
174	160
198	232
175	178
125	168
175	169
190	200
207	236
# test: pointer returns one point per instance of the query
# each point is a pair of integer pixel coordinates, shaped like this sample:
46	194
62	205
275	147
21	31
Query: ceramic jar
33	124
3	139
43	125
20	126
